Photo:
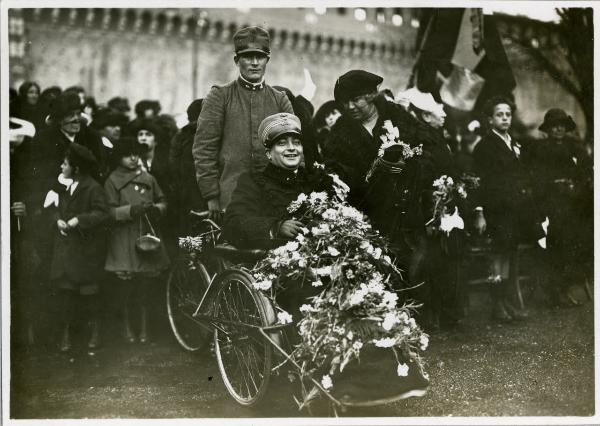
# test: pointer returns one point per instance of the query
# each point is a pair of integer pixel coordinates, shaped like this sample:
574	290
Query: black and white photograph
298	213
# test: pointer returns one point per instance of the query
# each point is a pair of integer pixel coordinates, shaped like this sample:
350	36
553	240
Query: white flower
450	222
317	197
406	331
365	245
387	259
333	251
352	213
357	298
350	335
377	253
402	370
263	285
412	323
389	320
461	191
307	308
450	181
292	246
300	238
326	382
324	271
357	345
390	299
386	342
302	198
329	214
284	317
322	229
304	230
317	283
424	341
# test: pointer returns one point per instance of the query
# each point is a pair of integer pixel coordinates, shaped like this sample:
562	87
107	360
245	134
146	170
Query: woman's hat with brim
63	105
355	83
556	116
276	125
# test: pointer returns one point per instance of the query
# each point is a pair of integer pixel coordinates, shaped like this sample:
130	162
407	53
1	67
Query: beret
252	39
355	83
81	154
276	125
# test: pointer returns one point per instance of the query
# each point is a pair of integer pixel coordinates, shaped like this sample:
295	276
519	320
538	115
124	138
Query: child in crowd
79	247
136	204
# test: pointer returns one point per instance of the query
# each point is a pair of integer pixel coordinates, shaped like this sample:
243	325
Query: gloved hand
139	209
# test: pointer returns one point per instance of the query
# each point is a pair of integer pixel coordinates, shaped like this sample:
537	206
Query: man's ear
236	58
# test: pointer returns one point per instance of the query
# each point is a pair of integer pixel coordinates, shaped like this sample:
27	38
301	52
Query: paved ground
541	367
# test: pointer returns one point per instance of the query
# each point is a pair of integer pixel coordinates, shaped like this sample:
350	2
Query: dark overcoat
259	204
79	256
505	192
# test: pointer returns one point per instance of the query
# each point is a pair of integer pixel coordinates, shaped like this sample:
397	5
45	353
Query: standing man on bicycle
226	142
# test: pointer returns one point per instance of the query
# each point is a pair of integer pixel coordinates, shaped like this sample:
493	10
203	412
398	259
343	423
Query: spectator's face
332	117
33	95
252	65
435	119
146	137
66	169
112	132
501	118
558	131
286	152
360	108
71	123
130	162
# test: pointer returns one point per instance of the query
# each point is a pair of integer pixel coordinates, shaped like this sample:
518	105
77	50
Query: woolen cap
252	39
126	146
556	116
276	125
355	83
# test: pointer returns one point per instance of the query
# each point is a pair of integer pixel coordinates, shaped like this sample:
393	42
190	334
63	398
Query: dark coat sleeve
207	142
248	222
97	213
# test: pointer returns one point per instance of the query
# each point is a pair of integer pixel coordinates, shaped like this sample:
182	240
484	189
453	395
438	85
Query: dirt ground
543	366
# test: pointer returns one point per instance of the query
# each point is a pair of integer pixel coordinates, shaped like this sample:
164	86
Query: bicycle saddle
236	255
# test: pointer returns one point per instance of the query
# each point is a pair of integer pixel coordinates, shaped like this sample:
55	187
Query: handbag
149	242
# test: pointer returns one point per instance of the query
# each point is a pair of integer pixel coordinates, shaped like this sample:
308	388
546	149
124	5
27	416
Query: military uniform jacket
226	142
79	256
260	200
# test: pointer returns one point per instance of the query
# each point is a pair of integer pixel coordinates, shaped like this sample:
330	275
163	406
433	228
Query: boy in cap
226	142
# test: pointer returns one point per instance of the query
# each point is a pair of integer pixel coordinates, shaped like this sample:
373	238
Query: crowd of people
93	189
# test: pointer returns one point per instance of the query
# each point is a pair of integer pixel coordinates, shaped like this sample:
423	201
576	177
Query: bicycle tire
185	288
243	356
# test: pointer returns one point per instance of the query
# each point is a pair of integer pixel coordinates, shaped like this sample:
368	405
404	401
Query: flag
461	59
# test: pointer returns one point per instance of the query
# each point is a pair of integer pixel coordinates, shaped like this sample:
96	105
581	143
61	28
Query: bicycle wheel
185	288
243	355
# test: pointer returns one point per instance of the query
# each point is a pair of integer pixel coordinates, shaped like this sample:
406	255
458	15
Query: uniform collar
251	86
283	175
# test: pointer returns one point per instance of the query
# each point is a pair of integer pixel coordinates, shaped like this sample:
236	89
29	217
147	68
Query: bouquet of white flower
446	194
357	290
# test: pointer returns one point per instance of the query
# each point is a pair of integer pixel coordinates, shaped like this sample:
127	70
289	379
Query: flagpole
420	51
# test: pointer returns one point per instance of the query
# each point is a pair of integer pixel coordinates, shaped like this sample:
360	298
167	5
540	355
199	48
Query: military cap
556	116
355	83
276	125
252	39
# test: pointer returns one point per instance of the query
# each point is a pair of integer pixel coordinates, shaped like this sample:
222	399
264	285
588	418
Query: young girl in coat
136	204
79	248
